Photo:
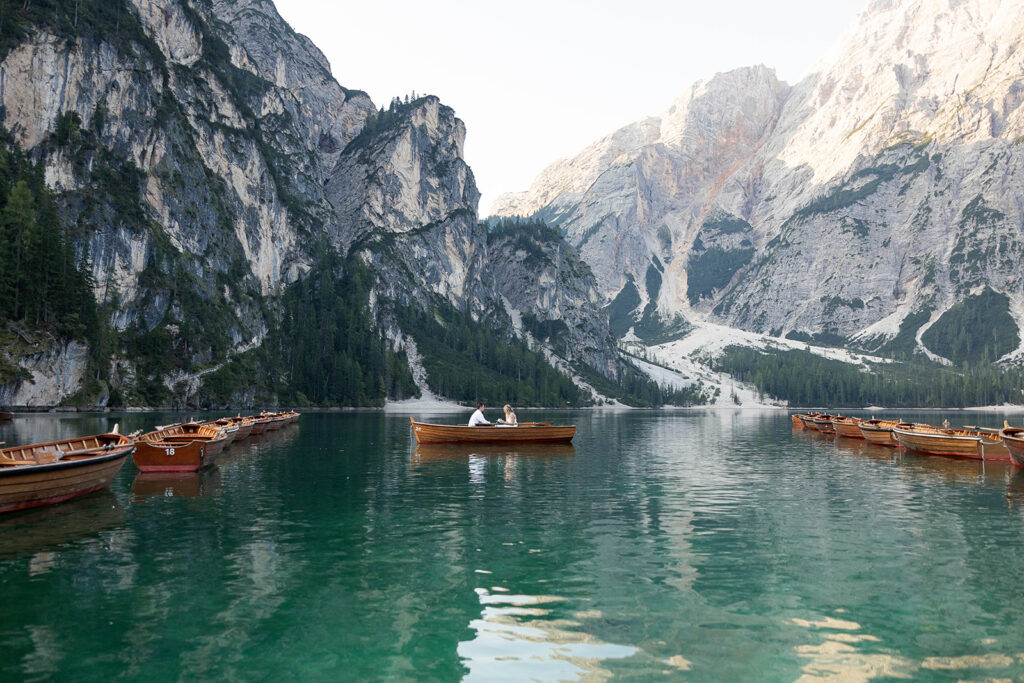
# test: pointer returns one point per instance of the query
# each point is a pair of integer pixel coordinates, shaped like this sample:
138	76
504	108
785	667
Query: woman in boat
510	418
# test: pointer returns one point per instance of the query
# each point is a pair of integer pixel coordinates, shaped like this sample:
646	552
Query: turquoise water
702	546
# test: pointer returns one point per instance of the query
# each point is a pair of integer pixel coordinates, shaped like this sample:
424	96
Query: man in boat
478	416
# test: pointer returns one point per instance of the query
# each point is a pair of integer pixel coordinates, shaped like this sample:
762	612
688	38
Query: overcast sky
539	80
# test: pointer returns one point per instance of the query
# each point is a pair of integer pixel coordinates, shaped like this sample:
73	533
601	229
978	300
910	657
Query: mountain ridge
915	100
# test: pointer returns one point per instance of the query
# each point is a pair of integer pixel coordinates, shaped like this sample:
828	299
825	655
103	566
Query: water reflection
47	528
451	451
516	639
205	482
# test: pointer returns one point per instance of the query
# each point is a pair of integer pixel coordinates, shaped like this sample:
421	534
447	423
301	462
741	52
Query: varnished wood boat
808	420
848	427
244	425
6	416
179	448
879	431
227	427
797	422
259	425
426	432
959	443
274	421
52	472
1013	438
823	423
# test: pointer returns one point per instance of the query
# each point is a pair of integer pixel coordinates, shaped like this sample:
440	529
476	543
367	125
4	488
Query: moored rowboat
879	431
960	443
244	425
52	472
179	448
807	419
848	427
1013	438
227	427
823	423
426	432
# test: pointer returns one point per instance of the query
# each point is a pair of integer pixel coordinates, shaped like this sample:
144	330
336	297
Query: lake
685	545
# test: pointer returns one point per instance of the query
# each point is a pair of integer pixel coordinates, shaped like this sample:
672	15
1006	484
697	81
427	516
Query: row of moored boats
981	443
52	472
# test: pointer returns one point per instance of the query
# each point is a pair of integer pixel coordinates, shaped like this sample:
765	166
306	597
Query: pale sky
539	80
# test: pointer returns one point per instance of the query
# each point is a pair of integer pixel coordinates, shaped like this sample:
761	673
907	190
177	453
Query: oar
981	429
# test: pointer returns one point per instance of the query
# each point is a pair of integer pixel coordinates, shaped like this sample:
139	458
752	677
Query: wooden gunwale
429	433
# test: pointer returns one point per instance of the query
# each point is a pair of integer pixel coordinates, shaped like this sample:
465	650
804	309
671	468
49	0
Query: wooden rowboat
52	472
848	427
225	425
6	416
244	425
879	431
807	419
179	448
823	423
959	443
524	433
1013	438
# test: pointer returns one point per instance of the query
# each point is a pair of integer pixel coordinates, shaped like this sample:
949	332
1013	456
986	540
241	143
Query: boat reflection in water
205	482
481	457
48	528
427	452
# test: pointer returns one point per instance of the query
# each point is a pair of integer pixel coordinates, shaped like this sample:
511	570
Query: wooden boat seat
46	457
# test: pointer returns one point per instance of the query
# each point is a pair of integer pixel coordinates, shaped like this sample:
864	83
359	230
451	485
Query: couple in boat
508	421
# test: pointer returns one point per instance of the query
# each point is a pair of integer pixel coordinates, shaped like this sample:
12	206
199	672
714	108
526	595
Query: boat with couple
479	429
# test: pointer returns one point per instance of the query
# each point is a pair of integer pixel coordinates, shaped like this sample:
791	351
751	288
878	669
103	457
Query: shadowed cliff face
881	185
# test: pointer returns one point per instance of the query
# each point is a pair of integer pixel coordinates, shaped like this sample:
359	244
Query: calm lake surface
702	546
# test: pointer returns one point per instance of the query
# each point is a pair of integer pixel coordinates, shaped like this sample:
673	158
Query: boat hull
181	448
427	433
1014	440
952	443
29	486
878	432
848	428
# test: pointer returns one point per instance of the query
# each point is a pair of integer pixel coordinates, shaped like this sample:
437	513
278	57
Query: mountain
254	232
874	203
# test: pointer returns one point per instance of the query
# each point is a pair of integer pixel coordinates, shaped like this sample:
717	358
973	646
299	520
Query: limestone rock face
211	154
407	200
637	197
882	184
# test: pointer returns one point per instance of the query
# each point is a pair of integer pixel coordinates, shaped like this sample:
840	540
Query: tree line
805	379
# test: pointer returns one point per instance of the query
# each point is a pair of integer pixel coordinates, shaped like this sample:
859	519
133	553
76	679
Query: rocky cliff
878	192
203	158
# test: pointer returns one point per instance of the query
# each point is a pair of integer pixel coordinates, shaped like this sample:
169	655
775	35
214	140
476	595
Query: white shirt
478	419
